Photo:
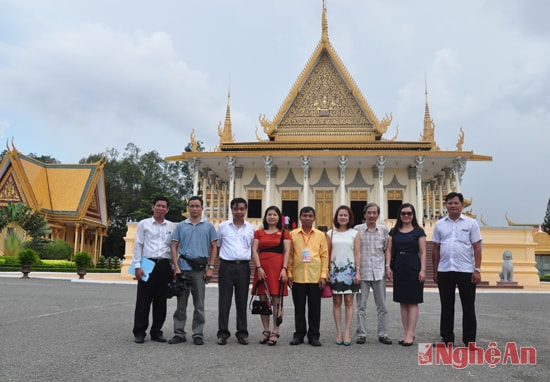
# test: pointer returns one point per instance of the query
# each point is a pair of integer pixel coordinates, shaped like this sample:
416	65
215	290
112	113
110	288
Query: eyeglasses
406	213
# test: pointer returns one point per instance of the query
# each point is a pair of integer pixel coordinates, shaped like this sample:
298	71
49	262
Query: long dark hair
278	211
399	222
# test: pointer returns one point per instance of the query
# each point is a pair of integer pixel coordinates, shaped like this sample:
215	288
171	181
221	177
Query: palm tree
19	224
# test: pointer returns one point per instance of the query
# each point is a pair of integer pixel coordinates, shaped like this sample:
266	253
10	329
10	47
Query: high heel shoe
401	342
273	339
265	337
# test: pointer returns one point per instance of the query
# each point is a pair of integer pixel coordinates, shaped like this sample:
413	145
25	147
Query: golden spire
324	24
226	135
428	134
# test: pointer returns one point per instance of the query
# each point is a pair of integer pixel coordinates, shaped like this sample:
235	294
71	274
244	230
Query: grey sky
77	77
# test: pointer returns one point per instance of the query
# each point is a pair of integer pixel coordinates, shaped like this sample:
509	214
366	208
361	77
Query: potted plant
27	257
83	261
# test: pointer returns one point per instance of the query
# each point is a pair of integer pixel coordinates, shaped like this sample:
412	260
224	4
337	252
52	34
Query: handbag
257	306
196	263
327	290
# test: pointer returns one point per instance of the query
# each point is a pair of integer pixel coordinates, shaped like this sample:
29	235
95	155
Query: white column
194	167
268	163
306	160
342	163
225	201
440	191
458	170
205	191
448	172
231	166
212	179
380	165
219	188
419	169
427	191
433	183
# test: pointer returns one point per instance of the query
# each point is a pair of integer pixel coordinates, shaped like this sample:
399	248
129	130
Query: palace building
70	196
326	147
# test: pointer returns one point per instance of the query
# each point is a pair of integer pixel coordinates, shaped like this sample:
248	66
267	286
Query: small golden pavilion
70	196
326	147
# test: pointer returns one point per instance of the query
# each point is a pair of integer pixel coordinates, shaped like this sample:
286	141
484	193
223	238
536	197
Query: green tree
19	224
546	224
132	180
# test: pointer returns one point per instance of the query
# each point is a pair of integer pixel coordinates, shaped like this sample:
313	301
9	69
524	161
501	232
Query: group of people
350	260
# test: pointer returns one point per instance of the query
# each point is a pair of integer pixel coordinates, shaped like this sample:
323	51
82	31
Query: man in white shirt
235	238
153	240
457	261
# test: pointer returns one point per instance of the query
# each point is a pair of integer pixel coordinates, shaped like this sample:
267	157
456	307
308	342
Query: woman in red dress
270	252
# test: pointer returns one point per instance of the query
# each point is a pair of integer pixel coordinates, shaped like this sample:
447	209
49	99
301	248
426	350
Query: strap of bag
279	248
281	291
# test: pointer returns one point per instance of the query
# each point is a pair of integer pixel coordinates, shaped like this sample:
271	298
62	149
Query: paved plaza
55	329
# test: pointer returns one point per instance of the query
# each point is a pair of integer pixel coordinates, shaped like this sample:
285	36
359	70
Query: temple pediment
325	103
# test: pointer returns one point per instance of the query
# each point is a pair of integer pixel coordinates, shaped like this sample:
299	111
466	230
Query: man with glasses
374	240
457	262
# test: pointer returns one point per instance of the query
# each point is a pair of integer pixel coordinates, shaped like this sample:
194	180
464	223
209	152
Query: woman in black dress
406	266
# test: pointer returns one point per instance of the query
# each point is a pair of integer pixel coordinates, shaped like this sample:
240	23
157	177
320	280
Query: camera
177	286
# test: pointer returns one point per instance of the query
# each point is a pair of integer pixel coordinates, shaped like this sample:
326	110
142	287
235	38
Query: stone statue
507	267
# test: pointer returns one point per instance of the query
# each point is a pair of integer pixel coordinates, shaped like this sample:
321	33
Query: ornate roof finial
324	24
226	135
428	134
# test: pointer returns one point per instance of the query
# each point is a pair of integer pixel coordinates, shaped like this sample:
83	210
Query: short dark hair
453	194
162	199
195	197
350	214
369	205
307	209
278	212
237	201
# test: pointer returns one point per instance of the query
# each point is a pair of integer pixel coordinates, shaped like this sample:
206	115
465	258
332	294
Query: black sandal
265	337
272	342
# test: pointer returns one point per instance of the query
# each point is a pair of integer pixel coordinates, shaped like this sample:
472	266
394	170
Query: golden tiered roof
62	192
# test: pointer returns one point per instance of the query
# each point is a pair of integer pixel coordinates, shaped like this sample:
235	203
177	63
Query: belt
235	261
158	260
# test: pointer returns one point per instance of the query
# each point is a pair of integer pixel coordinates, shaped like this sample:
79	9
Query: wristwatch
477	270
211	266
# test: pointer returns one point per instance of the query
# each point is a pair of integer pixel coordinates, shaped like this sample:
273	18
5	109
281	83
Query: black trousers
233	276
310	294
152	292
447	283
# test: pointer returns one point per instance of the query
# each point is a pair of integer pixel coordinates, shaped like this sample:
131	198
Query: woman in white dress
344	248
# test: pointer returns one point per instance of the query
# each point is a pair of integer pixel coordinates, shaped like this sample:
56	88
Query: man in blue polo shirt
193	243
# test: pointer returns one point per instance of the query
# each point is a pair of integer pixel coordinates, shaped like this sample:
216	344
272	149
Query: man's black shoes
222	341
296	341
243	340
198	341
177	340
139	339
385	340
158	338
314	342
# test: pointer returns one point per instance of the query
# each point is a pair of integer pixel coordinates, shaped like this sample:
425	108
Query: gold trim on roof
324	99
